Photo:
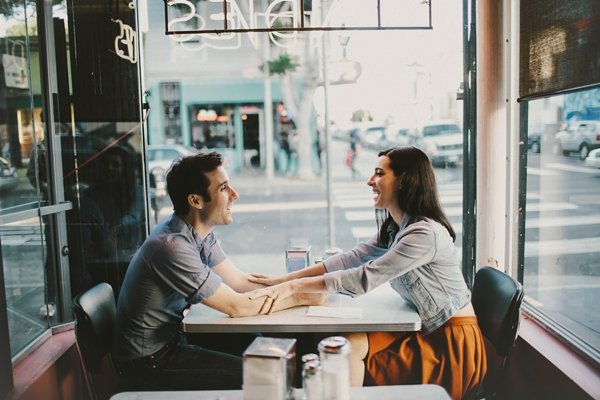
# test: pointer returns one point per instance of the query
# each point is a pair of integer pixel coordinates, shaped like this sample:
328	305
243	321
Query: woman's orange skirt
452	356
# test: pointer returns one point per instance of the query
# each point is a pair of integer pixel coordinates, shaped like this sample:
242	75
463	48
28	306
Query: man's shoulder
166	239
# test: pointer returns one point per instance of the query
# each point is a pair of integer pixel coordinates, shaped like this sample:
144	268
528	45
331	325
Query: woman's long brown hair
417	195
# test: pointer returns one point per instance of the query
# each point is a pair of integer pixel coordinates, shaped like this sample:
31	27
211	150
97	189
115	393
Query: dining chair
95	318
497	298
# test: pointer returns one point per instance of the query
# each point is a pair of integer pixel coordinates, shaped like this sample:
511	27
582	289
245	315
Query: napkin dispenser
297	257
269	369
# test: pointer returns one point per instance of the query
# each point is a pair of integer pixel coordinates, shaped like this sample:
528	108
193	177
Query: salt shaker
334	352
312	382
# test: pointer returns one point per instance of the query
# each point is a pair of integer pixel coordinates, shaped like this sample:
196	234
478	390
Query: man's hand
288	294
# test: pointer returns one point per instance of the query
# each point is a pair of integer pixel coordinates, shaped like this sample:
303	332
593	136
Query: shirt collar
404	222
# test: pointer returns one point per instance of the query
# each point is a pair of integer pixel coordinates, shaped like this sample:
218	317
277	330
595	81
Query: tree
298	85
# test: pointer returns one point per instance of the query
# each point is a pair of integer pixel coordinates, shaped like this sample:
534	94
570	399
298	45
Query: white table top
402	392
382	310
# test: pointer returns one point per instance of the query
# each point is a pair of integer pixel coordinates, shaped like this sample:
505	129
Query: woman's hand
268	280
310	271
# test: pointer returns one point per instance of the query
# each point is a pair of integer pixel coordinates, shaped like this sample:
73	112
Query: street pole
268	108
326	137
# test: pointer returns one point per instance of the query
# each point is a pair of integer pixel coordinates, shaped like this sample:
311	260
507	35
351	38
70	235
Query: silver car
161	156
580	137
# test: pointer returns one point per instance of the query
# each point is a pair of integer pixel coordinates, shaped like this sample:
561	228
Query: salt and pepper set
269	365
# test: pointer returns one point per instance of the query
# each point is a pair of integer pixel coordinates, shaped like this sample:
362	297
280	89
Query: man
179	264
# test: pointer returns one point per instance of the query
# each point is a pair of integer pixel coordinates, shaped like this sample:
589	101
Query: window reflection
562	246
28	274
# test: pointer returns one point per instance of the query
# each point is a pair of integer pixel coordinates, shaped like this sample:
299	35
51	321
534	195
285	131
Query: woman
414	251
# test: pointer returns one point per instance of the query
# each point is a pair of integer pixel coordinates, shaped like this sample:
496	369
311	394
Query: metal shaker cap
335	345
311	367
310	357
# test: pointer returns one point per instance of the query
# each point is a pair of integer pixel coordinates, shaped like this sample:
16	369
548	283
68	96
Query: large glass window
72	199
562	243
386	88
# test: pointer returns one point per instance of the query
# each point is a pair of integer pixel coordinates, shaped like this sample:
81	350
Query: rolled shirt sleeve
412	247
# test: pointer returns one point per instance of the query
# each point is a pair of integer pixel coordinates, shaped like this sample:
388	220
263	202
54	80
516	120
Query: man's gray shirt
171	270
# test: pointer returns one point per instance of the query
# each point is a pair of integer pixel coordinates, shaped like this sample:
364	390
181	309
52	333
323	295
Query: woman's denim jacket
421	264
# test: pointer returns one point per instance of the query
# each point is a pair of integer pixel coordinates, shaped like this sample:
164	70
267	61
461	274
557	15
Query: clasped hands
281	293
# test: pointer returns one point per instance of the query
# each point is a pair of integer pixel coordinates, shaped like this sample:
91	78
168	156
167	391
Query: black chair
497	300
95	318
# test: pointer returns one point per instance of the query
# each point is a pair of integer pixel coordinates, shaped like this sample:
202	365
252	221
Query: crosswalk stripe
562	247
541	172
562	221
573	168
532	249
366	192
355	203
531	223
534	207
359	215
282	206
450	211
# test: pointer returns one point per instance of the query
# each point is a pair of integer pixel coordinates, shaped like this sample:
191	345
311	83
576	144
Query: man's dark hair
188	176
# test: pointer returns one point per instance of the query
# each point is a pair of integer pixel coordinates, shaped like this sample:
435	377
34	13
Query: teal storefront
223	114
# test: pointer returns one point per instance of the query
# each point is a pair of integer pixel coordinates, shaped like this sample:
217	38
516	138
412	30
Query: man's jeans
181	366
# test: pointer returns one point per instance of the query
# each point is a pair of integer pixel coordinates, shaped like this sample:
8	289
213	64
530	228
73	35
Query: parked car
161	156
534	142
580	137
442	141
399	136
373	137
383	137
593	159
8	175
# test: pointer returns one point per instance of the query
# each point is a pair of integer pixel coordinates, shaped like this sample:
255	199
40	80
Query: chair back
497	299
95	320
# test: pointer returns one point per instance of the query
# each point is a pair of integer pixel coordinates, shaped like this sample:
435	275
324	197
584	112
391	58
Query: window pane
386	89
100	138
562	243
22	259
28	273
